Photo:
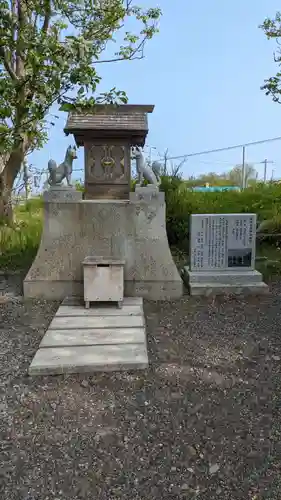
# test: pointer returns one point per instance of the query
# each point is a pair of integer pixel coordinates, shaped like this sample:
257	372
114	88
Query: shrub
19	244
265	201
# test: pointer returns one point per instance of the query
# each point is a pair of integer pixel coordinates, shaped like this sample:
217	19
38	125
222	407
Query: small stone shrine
222	255
110	246
111	221
107	136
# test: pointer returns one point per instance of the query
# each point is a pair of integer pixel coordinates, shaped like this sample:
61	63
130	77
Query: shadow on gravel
201	423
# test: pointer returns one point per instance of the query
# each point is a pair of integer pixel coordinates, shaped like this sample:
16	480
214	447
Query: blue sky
203	73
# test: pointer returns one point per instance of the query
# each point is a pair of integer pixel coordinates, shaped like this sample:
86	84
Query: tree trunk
6	208
7	179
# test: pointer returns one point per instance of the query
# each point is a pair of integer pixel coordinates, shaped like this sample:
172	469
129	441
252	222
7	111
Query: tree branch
47	16
119	59
7	65
13	33
132	57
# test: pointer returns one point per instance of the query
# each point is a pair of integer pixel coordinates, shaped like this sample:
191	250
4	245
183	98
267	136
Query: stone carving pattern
106	162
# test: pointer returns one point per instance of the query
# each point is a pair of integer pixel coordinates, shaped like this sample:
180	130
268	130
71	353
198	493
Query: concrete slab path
102	338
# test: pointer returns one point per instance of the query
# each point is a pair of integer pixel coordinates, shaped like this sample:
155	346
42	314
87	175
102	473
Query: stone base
208	283
154	290
132	230
51	289
58	290
147	193
62	193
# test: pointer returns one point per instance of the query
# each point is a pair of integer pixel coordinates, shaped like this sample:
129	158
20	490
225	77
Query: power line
227	163
188	155
223	149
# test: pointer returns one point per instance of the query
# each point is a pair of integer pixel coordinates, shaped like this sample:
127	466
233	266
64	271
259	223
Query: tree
3	159
49	52
272	29
233	177
169	168
236	174
214	179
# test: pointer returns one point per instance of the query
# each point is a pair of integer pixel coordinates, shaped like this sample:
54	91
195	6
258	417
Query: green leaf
272	30
3	128
66	106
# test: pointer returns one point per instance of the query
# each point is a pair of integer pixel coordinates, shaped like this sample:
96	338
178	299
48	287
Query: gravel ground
203	422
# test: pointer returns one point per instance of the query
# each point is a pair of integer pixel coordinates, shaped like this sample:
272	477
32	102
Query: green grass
270	267
19	243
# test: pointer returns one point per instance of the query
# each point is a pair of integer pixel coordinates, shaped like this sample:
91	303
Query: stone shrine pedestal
222	256
133	231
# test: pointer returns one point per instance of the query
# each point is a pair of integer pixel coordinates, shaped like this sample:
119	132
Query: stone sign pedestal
222	255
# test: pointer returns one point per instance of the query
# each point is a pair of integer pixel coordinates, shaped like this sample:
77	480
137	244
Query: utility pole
165	166
150	153
150	148
243	168
265	162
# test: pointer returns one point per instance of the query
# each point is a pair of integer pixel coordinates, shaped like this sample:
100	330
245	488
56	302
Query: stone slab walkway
103	338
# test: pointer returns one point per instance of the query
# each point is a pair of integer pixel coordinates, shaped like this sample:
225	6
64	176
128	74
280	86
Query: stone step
78	301
62	338
223	277
212	289
126	310
59	360
82	322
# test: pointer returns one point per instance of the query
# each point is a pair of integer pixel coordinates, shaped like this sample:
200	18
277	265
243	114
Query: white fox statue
145	172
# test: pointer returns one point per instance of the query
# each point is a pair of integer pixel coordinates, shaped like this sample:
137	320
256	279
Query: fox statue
145	172
62	171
